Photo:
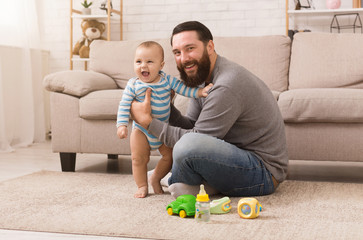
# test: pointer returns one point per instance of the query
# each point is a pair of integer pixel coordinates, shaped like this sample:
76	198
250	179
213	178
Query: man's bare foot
155	183
141	192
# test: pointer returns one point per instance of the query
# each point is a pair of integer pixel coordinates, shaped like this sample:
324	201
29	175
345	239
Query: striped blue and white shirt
160	96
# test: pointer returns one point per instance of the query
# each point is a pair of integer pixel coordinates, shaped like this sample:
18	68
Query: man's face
191	57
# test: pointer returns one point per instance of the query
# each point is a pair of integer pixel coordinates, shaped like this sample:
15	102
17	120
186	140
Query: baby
149	60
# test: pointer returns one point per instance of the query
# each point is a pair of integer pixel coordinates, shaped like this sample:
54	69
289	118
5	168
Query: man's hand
141	111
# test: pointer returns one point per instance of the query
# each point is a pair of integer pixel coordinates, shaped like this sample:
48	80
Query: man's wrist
156	127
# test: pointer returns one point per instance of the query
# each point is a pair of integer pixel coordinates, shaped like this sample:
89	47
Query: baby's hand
205	90
122	132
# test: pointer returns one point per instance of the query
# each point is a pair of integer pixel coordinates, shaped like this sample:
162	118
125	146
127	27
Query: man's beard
201	74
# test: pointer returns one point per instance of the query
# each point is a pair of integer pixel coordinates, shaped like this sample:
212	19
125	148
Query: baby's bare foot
141	192
156	185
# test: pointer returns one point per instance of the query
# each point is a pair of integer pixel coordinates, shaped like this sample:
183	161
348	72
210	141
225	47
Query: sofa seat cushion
322	105
102	105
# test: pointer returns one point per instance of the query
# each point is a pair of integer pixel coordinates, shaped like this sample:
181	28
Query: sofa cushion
115	59
267	57
322	105
325	60
77	83
100	105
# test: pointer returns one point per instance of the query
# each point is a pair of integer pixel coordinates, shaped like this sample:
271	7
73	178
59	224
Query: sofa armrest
78	83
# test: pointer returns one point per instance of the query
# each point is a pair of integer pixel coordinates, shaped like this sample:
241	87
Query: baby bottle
202	206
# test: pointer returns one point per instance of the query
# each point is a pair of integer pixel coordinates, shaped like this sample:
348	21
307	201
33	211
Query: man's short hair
203	32
148	44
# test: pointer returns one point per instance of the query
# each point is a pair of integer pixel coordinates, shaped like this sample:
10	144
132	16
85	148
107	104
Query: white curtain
21	95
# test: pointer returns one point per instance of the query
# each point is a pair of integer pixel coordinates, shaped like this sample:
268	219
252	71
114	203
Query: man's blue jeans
199	158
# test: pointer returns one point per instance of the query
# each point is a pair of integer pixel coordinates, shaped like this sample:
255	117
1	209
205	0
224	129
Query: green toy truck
183	206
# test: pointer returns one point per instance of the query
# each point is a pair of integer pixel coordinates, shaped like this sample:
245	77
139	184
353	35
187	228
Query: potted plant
86	10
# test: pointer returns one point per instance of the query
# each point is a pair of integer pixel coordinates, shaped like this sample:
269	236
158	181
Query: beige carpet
103	204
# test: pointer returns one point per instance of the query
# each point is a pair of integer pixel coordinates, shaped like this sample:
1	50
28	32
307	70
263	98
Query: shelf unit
312	12
76	14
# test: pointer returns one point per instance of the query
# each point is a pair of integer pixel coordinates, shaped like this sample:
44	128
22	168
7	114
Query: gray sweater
241	110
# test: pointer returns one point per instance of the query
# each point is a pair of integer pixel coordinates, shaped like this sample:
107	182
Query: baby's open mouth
145	74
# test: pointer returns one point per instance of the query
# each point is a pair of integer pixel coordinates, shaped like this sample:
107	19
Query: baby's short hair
151	44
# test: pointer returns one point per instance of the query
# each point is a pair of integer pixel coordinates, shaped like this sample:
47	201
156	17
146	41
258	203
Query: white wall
150	19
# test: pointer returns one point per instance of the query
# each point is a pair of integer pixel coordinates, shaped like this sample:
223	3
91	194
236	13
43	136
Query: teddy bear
91	30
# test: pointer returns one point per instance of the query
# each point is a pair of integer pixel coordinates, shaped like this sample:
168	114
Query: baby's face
147	64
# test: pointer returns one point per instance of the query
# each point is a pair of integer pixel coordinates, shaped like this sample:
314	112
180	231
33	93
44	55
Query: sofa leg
68	162
112	156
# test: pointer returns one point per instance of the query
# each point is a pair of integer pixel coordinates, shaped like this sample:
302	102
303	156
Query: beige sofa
317	81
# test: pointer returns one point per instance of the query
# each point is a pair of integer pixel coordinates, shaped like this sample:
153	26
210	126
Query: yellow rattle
249	208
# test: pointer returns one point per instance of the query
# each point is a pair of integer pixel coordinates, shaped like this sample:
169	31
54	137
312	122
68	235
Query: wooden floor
39	157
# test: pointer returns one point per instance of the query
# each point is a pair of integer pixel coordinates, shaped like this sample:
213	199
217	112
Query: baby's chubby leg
140	155
162	168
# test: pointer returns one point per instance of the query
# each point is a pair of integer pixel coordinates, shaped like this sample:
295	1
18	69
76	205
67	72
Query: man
234	140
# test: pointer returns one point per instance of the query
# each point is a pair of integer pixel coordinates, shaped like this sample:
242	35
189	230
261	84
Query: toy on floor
220	206
249	208
184	206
